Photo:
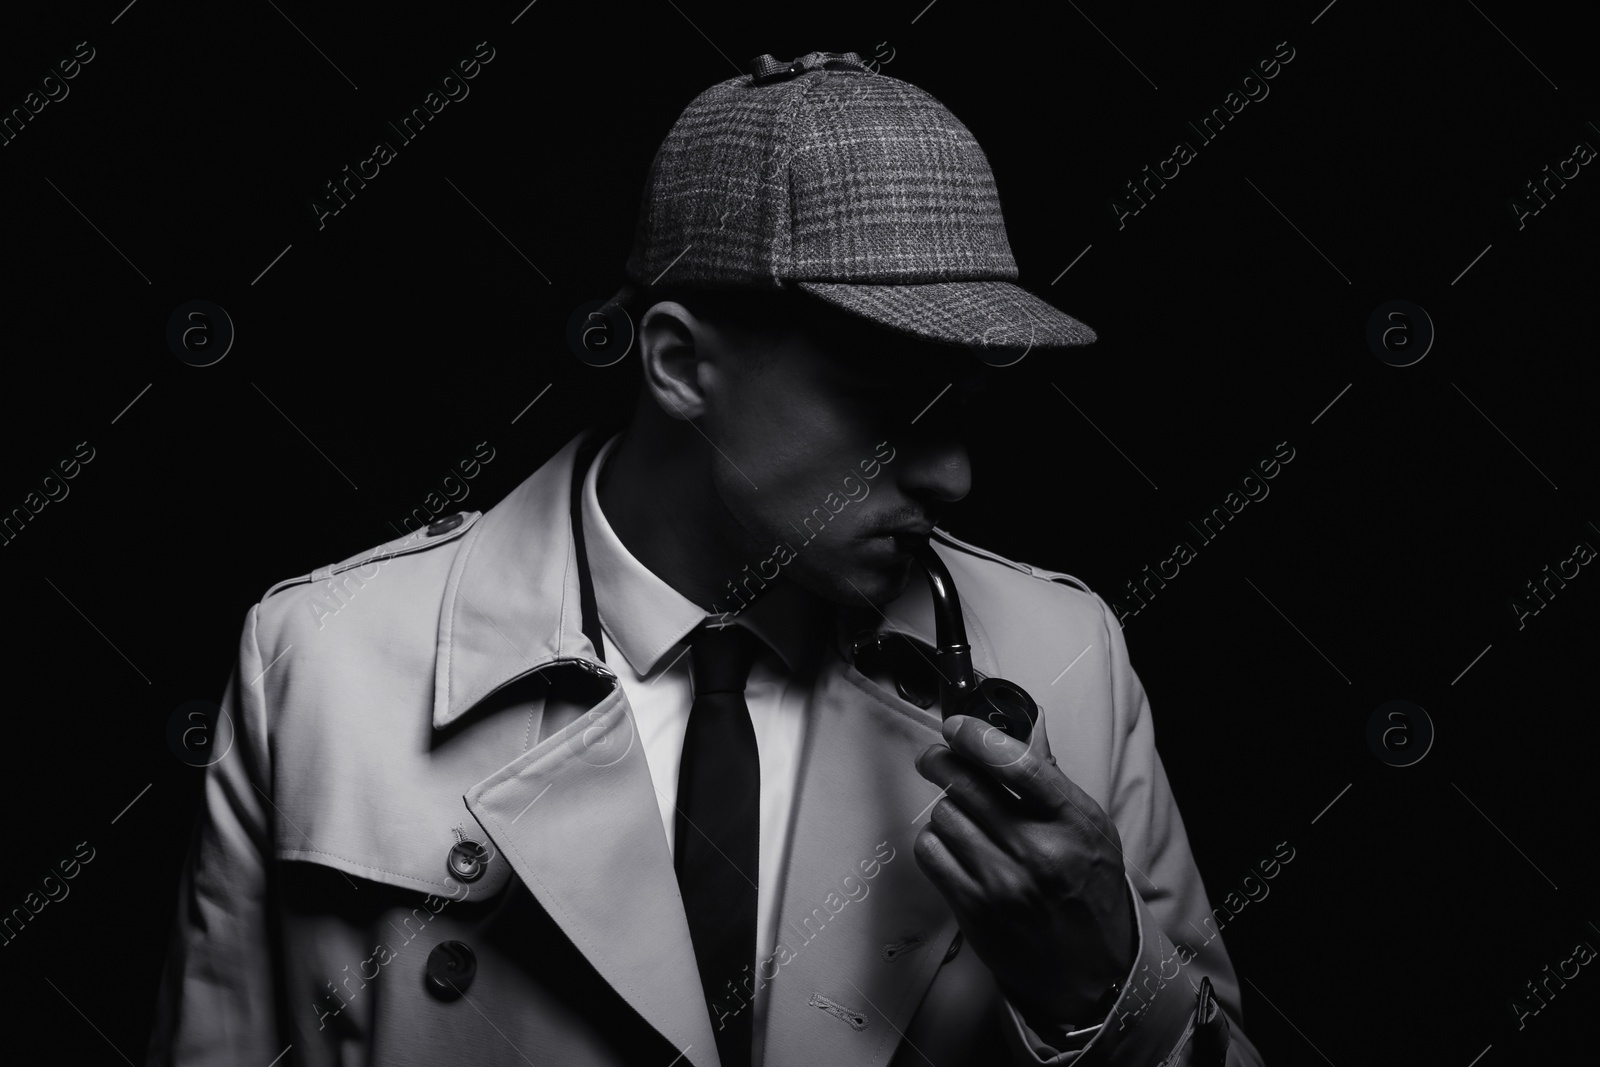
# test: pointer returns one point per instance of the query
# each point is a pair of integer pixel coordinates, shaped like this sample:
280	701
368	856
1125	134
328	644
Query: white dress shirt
645	622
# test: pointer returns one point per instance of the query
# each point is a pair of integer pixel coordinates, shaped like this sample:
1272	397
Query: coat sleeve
217	1002
1178	1006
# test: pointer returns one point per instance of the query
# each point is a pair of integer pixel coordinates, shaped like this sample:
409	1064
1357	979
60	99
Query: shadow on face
843	441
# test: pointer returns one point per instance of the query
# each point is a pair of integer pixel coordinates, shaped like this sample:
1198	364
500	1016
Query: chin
876	576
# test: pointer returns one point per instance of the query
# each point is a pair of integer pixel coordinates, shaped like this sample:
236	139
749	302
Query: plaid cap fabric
859	188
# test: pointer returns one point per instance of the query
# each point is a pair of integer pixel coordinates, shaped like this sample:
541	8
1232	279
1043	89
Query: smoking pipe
996	701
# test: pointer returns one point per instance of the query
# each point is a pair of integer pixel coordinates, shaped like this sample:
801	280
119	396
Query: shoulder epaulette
443	530
1025	568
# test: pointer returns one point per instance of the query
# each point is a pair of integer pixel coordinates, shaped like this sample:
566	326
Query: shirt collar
646	618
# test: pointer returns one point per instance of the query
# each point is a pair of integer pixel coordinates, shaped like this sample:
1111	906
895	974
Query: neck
655	490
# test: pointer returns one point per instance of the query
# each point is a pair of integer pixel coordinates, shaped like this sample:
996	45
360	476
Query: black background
413	325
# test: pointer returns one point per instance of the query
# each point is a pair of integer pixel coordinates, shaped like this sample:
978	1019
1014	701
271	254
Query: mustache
903	519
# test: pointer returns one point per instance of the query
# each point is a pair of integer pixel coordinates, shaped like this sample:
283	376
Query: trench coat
434	839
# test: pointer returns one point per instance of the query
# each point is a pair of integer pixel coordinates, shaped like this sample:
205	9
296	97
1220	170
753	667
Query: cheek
802	496
799	439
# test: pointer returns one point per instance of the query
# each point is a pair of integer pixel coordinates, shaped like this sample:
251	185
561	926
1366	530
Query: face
844	447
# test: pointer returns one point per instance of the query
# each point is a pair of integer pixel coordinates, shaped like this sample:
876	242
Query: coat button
445	525
467	860
451	967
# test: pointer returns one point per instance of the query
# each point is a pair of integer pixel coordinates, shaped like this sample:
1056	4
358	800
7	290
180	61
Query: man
683	681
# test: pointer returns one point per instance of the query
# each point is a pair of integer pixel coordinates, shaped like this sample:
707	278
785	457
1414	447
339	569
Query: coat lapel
576	815
862	931
577	819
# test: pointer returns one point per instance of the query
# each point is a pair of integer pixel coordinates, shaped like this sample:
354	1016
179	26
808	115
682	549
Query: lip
906	542
918	530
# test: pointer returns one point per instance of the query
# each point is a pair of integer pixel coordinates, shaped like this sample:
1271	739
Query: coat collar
647	620
511	601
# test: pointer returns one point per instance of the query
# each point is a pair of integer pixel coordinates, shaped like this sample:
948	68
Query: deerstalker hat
822	174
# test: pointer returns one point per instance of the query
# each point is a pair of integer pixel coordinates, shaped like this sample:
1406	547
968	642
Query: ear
673	345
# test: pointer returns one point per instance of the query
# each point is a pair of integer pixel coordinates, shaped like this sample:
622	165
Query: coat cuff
1148	1020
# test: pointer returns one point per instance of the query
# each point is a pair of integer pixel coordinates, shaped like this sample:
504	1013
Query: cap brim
979	314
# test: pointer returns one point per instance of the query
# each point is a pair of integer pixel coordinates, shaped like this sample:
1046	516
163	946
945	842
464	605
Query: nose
934	464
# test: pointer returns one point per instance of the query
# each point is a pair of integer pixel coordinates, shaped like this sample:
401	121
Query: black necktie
718	833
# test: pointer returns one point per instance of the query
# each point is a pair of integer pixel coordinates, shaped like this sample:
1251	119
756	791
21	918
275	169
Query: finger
984	800
1023	838
984	742
984	856
954	882
1021	767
